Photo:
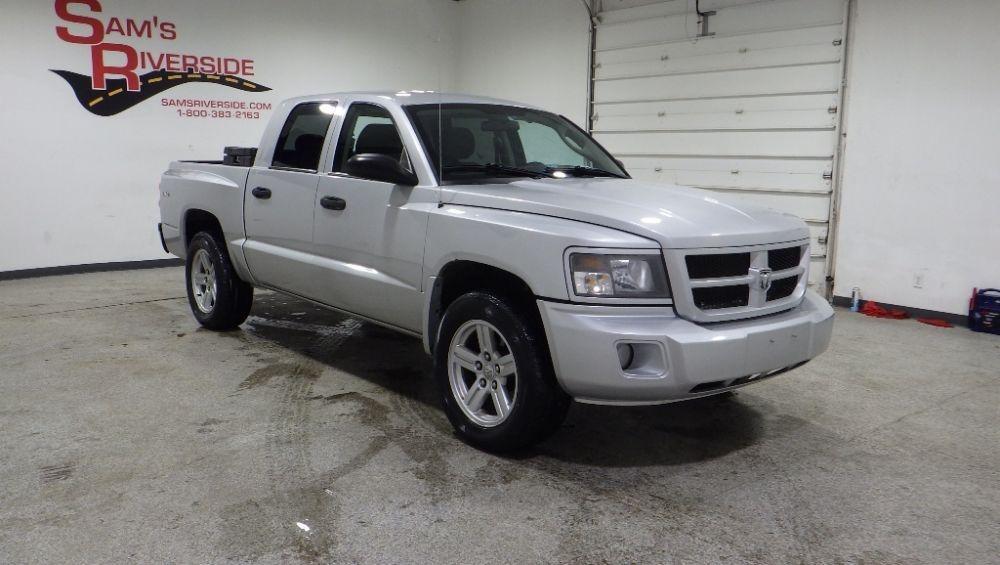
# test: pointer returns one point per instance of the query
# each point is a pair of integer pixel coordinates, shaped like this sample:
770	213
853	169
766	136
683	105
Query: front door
370	234
279	201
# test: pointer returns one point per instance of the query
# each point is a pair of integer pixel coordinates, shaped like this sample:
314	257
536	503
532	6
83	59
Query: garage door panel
718	62
789	47
627	10
803	175
817	238
738	118
813	78
782	143
713	106
817	273
670	25
763	112
715	5
781	14
616	15
647	31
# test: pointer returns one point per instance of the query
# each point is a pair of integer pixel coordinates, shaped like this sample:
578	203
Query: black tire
233	298
538	406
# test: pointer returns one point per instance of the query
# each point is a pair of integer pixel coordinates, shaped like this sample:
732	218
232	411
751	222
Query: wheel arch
197	220
461	276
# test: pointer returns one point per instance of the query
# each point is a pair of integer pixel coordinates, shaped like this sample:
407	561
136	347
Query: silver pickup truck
533	267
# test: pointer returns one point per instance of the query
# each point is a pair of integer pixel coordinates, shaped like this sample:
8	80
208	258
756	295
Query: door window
369	129
301	140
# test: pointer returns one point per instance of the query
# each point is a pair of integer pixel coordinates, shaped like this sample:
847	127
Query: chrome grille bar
707	289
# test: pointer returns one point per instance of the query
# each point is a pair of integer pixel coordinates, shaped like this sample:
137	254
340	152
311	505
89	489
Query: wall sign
123	75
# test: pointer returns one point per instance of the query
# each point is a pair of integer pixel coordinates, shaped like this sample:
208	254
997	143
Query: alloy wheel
203	282
482	373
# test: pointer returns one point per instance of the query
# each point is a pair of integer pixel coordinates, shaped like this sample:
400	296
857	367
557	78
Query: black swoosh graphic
118	99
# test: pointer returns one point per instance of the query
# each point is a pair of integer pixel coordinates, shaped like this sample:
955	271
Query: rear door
279	201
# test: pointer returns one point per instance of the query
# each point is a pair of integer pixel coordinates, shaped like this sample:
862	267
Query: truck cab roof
406	98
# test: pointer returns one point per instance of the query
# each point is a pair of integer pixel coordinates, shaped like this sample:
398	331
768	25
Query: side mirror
376	166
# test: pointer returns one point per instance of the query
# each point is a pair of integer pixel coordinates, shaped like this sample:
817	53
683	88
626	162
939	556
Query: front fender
529	246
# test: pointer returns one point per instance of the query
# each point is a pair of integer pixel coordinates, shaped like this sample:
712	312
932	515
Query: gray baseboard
89	268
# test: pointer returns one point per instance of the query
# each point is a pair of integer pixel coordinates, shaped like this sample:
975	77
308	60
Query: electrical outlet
918	280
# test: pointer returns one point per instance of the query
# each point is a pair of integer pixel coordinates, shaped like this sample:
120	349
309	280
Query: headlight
618	276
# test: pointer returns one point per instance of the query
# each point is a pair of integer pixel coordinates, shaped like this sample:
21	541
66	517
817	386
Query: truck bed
209	186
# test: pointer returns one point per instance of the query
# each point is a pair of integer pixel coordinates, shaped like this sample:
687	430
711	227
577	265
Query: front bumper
680	359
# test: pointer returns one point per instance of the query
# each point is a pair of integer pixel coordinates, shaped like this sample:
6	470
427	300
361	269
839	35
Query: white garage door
749	110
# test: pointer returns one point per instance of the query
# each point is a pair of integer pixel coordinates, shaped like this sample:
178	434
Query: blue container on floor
984	310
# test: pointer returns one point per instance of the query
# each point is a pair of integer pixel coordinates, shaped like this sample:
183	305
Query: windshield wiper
581	171
495	168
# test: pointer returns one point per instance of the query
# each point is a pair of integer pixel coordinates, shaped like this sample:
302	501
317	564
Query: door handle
333	203
261	192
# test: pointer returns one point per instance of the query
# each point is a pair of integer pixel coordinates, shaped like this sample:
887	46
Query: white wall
526	50
78	188
921	184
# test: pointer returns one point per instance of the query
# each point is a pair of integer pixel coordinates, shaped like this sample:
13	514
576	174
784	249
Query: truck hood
677	217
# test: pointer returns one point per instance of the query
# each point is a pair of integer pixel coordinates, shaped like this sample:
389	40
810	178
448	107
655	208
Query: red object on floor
935	322
874	310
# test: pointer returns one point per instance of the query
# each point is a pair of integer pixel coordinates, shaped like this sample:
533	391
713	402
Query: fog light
642	359
625	355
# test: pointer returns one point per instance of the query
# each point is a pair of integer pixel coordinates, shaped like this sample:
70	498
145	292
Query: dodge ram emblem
763	277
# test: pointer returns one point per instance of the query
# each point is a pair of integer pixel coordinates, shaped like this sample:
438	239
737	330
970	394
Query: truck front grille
781	259
716	297
718	265
782	288
734	283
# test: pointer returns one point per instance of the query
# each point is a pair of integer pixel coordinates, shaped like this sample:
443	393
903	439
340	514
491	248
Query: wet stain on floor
301	491
208	426
262	376
55	473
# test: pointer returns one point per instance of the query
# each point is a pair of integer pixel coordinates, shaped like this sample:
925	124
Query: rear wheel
495	376
218	298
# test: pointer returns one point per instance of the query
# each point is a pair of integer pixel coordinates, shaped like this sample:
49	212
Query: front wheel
219	299
495	375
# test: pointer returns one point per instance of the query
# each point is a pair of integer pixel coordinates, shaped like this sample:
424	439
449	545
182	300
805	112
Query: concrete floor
128	433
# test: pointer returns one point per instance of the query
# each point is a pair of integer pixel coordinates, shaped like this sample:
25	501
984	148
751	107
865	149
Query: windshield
491	141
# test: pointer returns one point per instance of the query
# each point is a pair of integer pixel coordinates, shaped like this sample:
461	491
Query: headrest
379	138
459	143
308	147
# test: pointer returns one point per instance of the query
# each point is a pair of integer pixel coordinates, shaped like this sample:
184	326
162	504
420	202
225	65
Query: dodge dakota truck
533	267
